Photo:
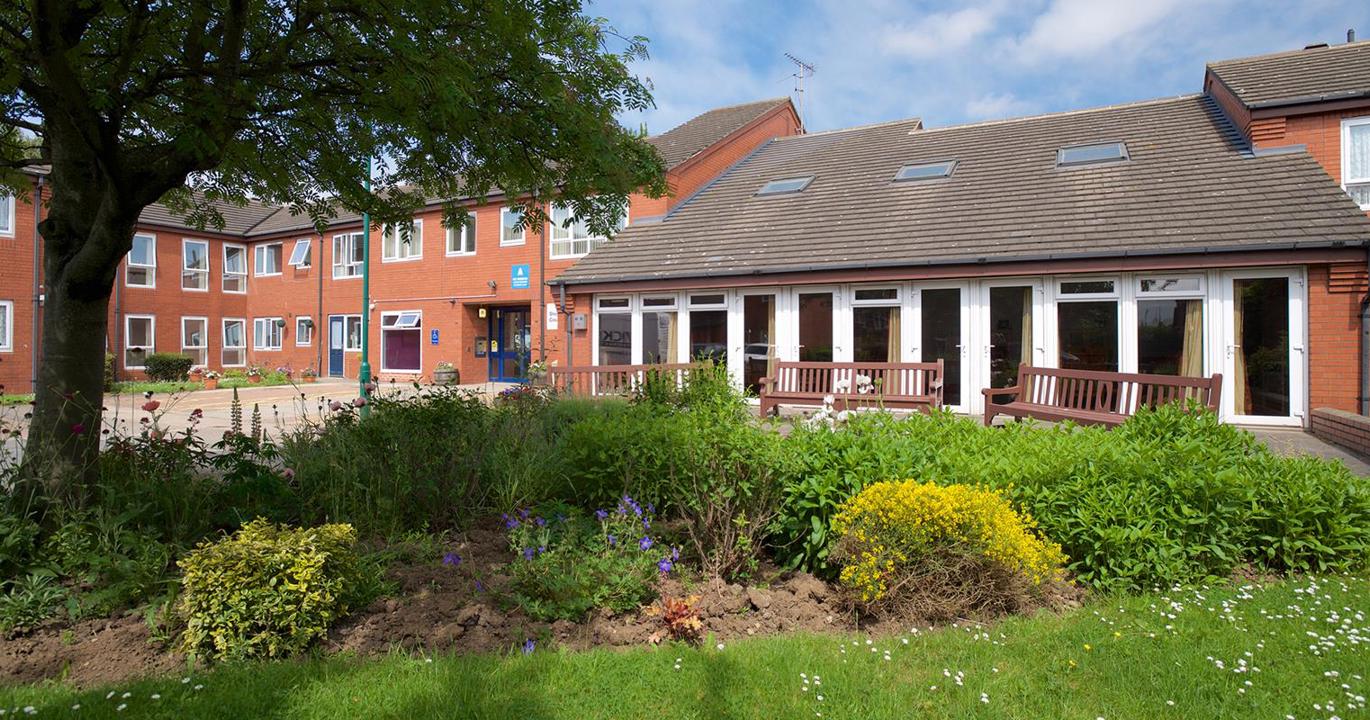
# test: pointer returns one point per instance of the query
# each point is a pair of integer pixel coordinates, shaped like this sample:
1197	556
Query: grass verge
1297	648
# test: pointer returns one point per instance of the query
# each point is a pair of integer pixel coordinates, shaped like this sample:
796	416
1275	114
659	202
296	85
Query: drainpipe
37	281
542	297
320	338
570	359
1365	345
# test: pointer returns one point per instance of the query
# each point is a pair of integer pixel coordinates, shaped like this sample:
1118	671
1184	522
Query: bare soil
451	608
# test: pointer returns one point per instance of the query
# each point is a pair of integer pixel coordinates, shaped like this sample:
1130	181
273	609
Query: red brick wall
1334	295
16	286
1234	109
1342	428
699	170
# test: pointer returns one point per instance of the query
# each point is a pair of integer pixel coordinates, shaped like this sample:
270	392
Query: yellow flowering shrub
952	545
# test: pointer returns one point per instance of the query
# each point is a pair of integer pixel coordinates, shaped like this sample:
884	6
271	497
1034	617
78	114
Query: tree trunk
63	446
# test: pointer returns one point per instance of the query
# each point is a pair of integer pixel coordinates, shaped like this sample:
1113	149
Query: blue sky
881	60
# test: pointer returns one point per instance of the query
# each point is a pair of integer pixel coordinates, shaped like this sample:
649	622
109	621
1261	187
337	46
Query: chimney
1350	35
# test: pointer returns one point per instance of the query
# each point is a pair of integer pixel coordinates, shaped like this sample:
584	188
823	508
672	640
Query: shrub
939	551
29	601
167	366
268	590
109	372
569	565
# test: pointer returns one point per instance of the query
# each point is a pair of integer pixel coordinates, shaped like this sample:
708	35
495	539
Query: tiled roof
698	133
1189	185
238	220
1315	74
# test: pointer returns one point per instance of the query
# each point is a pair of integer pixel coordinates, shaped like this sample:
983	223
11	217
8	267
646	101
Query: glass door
510	333
944	324
337	331
1263	361
758	339
1012	331
816	318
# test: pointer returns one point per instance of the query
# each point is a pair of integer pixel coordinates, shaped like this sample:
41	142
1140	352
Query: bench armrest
1014	390
764	383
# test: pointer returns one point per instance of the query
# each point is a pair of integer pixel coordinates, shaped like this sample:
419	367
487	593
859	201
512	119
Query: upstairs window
571	237
510	230
300	256
1091	154
7	215
461	240
348	253
194	265
1355	166
787	185
268	259
926	171
235	269
402	242
142	262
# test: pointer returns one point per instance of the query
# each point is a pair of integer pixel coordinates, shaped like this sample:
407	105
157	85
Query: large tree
192	103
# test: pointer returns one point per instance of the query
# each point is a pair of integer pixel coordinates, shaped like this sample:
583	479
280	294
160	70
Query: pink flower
335	406
78	429
151	405
288	474
359	402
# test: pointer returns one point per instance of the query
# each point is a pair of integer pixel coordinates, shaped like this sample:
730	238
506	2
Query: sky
881	60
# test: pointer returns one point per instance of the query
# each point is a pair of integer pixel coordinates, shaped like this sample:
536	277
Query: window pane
1170	337
401	349
926	171
942	338
1010	327
815	327
143	252
233	260
196	256
1088	335
6	213
607	303
1084	154
785	186
1080	287
510	232
1358	152
1261	322
660	341
658	302
615	339
299	256
877	294
1180	284
875	334
709	335
758	340
354	333
716	299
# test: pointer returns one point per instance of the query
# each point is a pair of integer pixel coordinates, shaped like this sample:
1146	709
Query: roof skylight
1091	154
786	185
926	171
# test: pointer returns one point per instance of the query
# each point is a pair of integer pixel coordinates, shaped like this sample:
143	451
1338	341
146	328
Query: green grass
179	386
22	399
1113	659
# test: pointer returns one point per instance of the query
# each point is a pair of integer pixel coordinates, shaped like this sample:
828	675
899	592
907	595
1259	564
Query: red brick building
270	290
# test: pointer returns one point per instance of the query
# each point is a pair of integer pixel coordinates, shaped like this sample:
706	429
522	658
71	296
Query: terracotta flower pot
308	378
254	379
211	383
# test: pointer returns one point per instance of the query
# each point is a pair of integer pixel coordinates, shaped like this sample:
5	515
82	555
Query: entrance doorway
337	332
510	344
1263	332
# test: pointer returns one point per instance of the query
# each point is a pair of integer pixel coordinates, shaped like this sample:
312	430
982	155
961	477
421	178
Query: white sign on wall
551	316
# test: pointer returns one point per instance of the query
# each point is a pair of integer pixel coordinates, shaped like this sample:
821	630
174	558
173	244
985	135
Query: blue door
337	333
510	344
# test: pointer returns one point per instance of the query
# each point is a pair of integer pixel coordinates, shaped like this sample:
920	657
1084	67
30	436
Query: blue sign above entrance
518	277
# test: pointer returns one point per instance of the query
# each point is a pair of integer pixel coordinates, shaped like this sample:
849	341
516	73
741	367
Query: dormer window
926	171
1091	154
787	185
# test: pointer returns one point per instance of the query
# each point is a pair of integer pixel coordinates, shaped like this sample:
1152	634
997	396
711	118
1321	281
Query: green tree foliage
280	101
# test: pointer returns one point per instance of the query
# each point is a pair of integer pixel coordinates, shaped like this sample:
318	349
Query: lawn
1298	648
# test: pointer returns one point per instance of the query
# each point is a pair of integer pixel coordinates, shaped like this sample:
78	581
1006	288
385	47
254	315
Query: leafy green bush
1170	496
109	372
569	565
167	366
29	601
268	590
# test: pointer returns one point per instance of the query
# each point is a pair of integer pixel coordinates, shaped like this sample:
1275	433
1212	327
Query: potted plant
446	374
537	372
210	379
254	374
309	375
196	374
286	371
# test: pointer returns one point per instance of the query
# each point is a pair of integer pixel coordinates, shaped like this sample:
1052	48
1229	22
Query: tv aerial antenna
802	71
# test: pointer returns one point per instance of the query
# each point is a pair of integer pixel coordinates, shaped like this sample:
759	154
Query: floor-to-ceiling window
876	324
614	324
1010	332
941	337
660	330
1260	324
1170	325
758	339
816	326
1087	324
709	327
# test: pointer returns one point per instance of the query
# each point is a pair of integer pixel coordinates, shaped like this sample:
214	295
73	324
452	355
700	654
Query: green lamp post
364	372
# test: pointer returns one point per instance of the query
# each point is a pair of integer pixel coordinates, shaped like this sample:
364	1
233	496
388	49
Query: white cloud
1079	28
993	106
937	34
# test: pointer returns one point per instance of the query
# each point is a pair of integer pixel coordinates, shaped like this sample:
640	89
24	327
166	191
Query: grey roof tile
693	136
1310	75
1189	185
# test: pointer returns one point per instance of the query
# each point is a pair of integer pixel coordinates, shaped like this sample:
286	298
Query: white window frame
347	323
223	284
7	336
460	235
273	329
9	228
346	241
559	234
523	231
633	309
257	255
1346	126
397	314
224	346
204	335
185	268
308	260
1168	294
415	245
152	335
151	267
897	300
307	322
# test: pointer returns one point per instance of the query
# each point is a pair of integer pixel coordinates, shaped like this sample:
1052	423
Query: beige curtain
1241	391
1192	353
672	338
895	341
770	338
1026	355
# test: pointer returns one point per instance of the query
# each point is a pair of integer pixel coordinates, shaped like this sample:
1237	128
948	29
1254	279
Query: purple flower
612	540
542	549
540	522
523	514
529	646
664	565
646	524
480	586
651	510
601	514
528	553
675	554
645	543
509	522
451	559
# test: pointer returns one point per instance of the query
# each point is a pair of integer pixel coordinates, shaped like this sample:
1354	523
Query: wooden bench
916	386
605	380
1091	397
